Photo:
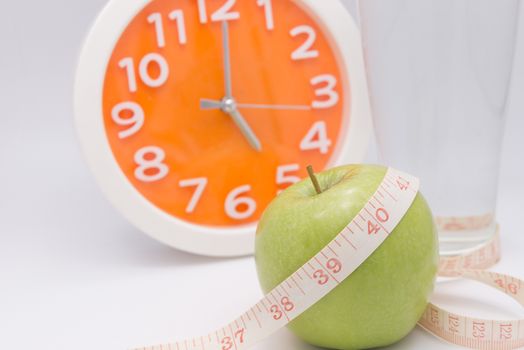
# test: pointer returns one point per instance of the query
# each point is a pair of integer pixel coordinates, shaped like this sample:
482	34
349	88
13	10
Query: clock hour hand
229	107
215	104
245	129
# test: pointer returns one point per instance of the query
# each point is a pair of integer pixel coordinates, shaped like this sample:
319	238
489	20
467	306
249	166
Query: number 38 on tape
342	256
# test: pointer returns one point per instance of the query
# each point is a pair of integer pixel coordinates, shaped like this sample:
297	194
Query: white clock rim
339	27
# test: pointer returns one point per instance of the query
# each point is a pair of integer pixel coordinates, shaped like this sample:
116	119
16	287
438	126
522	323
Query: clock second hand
215	104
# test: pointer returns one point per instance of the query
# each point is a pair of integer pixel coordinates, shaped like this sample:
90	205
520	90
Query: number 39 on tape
350	248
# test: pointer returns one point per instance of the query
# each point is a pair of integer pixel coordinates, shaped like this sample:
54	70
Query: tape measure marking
479	333
325	271
482	258
343	255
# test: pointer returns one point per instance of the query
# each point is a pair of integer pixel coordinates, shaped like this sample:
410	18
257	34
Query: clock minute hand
227	60
228	103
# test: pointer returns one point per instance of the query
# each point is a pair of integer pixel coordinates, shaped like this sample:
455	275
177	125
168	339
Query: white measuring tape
471	332
345	254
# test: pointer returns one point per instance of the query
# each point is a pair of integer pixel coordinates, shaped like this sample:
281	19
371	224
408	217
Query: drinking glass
439	74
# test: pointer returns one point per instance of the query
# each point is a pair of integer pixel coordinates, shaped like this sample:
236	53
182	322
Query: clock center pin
228	105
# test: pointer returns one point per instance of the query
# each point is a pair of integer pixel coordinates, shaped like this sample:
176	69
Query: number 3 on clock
197	113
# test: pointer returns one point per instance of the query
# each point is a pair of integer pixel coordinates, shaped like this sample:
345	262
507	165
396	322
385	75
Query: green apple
384	298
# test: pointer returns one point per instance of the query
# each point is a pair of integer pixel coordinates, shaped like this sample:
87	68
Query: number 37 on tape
335	262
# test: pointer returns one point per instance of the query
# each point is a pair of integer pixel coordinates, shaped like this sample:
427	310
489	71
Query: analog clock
195	114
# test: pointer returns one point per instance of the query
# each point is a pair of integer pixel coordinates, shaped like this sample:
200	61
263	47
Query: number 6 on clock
166	91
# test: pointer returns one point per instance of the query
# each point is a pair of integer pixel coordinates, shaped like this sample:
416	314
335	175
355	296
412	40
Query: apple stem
314	179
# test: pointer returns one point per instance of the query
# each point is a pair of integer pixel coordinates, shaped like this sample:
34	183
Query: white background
74	274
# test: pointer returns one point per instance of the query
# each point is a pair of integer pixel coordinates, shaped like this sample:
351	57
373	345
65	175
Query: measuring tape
343	255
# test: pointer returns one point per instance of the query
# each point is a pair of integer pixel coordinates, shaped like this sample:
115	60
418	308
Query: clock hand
227	60
277	107
211	104
245	129
228	106
228	103
215	104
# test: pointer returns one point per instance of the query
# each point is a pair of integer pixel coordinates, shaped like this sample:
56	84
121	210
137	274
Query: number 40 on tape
350	248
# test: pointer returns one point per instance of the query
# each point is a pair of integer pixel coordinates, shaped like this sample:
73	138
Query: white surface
74	274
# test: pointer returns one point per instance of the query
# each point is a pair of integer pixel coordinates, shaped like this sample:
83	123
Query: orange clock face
211	107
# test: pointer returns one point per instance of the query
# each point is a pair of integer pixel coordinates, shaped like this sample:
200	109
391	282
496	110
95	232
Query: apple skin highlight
381	302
